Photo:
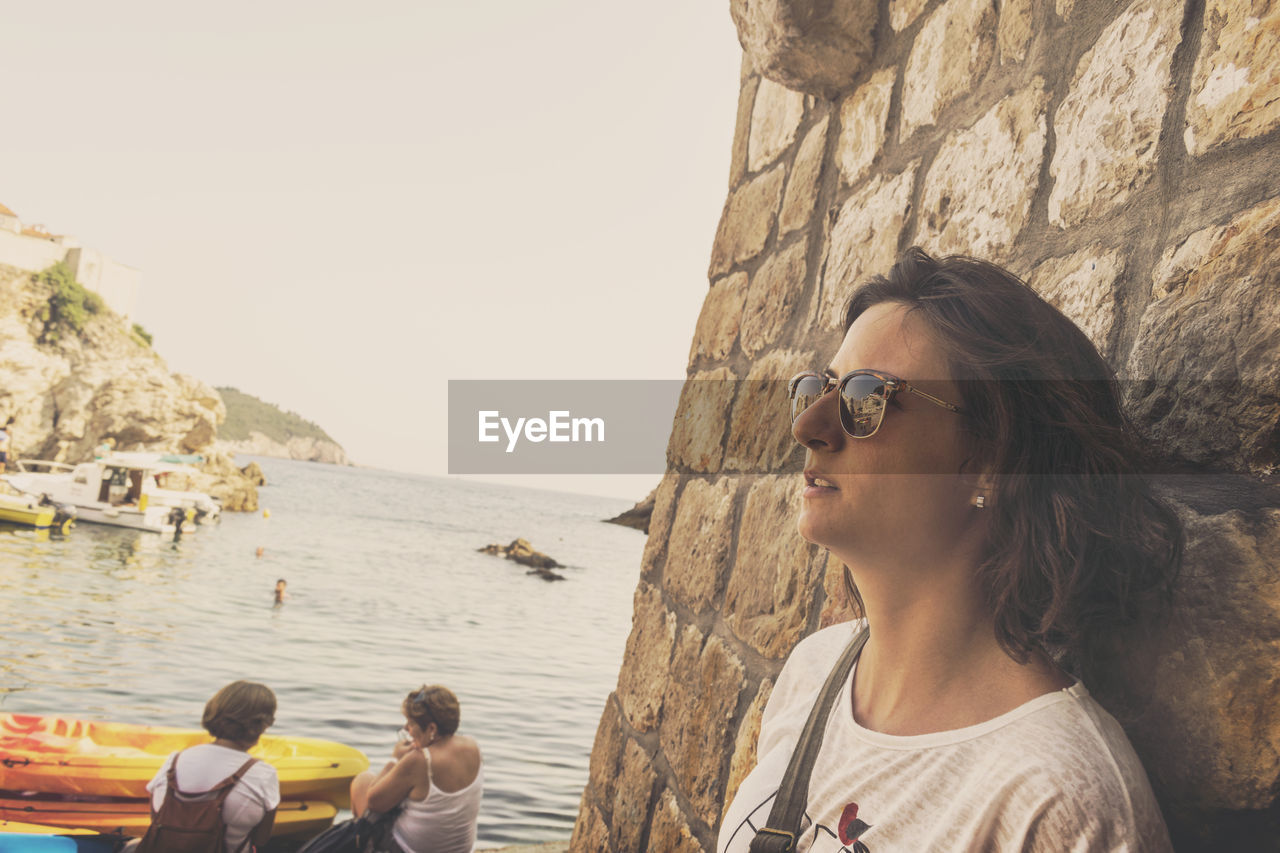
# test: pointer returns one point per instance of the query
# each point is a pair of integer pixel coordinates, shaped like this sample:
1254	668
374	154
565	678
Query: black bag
357	835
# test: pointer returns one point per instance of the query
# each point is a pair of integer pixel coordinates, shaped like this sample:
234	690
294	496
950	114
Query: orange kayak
132	817
57	755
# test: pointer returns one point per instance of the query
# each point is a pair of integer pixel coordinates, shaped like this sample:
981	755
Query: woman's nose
819	425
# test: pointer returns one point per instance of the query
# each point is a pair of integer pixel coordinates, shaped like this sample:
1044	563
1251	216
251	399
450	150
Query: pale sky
339	209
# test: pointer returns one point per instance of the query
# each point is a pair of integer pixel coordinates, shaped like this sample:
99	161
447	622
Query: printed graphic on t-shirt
844	838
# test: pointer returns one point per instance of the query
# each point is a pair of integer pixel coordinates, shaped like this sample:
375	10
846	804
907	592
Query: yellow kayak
57	755
10	826
132	817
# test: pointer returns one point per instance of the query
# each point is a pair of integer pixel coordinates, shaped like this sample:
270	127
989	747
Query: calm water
387	592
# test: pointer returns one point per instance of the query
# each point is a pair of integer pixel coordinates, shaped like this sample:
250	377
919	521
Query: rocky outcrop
638	516
304	449
66	397
522	552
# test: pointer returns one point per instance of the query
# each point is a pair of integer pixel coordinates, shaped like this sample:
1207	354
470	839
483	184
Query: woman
236	716
437	774
974	472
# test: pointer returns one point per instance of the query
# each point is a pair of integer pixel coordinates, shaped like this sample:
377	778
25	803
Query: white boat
120	490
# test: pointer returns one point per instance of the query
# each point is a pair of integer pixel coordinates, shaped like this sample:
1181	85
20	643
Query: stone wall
1121	157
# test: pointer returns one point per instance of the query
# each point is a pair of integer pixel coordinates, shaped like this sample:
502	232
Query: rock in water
523	553
638	516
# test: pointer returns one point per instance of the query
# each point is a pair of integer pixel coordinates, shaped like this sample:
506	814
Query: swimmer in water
281	595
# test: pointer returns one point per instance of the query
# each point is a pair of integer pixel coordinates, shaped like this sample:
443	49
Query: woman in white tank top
437	774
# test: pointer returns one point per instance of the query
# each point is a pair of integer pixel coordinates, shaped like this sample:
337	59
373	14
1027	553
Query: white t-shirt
1055	775
203	767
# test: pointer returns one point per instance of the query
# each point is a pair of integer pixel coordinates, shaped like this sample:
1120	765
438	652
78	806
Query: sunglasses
864	396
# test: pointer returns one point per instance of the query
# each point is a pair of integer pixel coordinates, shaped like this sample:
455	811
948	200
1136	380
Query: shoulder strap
222	788
780	832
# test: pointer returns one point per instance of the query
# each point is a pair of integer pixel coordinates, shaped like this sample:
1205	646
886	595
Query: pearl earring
980	501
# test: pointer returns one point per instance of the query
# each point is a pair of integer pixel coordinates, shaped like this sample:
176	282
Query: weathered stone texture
643	677
664	510
1084	286
903	13
814	46
748	217
1235	89
800	202
698	431
863	119
590	832
1064	8
701	699
721	316
775	291
701	536
952	50
775	120
1203	688
1013	33
839	605
670	832
1211	348
744	747
771	588
742	129
1109	123
760	437
864	240
606	755
636	778
977	194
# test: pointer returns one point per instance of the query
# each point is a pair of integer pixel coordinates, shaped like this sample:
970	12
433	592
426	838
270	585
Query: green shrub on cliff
246	414
69	306
142	333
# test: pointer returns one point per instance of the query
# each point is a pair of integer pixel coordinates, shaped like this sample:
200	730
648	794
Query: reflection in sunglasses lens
862	401
805	392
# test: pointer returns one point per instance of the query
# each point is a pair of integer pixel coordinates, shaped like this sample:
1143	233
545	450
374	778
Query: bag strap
222	788
782	830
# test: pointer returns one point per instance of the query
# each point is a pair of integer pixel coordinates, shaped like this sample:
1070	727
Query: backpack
357	835
190	823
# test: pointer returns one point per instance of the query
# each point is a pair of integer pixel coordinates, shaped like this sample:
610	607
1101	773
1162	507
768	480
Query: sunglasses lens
862	402
805	391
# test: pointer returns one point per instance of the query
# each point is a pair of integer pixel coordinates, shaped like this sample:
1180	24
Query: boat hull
132	817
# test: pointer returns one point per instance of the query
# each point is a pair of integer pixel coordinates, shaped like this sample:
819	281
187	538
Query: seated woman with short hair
437	774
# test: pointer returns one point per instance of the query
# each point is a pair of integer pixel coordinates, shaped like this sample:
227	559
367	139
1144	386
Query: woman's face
897	495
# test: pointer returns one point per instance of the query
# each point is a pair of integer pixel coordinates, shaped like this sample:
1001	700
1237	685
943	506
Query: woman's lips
815	485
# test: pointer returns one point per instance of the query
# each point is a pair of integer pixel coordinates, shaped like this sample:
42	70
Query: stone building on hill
1120	156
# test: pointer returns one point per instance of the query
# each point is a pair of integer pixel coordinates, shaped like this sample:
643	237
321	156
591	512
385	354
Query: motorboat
117	490
41	513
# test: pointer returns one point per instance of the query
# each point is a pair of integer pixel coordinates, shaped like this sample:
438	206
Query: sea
386	592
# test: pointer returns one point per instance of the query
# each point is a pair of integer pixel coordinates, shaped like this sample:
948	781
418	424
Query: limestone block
744	746
643	676
590	832
717	328
1206	362
1200	692
1235	89
1013	33
742	129
697	434
839	606
775	120
864	240
606	755
698	552
903	13
864	116
977	194
669	831
760	437
1084	286
664	507
814	46
951	52
701	700
775	291
636	778
801	199
773	581
1108	124
748	217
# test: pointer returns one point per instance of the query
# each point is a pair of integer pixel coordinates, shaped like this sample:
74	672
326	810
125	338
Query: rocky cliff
264	429
67	392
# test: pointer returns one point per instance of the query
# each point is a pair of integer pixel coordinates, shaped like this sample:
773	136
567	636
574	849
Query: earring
980	501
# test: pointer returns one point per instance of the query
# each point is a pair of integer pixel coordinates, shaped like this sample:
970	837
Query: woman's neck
240	745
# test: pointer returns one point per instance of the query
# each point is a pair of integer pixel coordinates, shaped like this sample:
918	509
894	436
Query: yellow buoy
266	513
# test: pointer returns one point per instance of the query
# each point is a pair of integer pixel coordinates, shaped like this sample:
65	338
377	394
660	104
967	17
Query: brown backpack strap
222	788
781	832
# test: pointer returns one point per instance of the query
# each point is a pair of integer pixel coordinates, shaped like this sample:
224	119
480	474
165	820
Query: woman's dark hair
433	703
241	711
1078	541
